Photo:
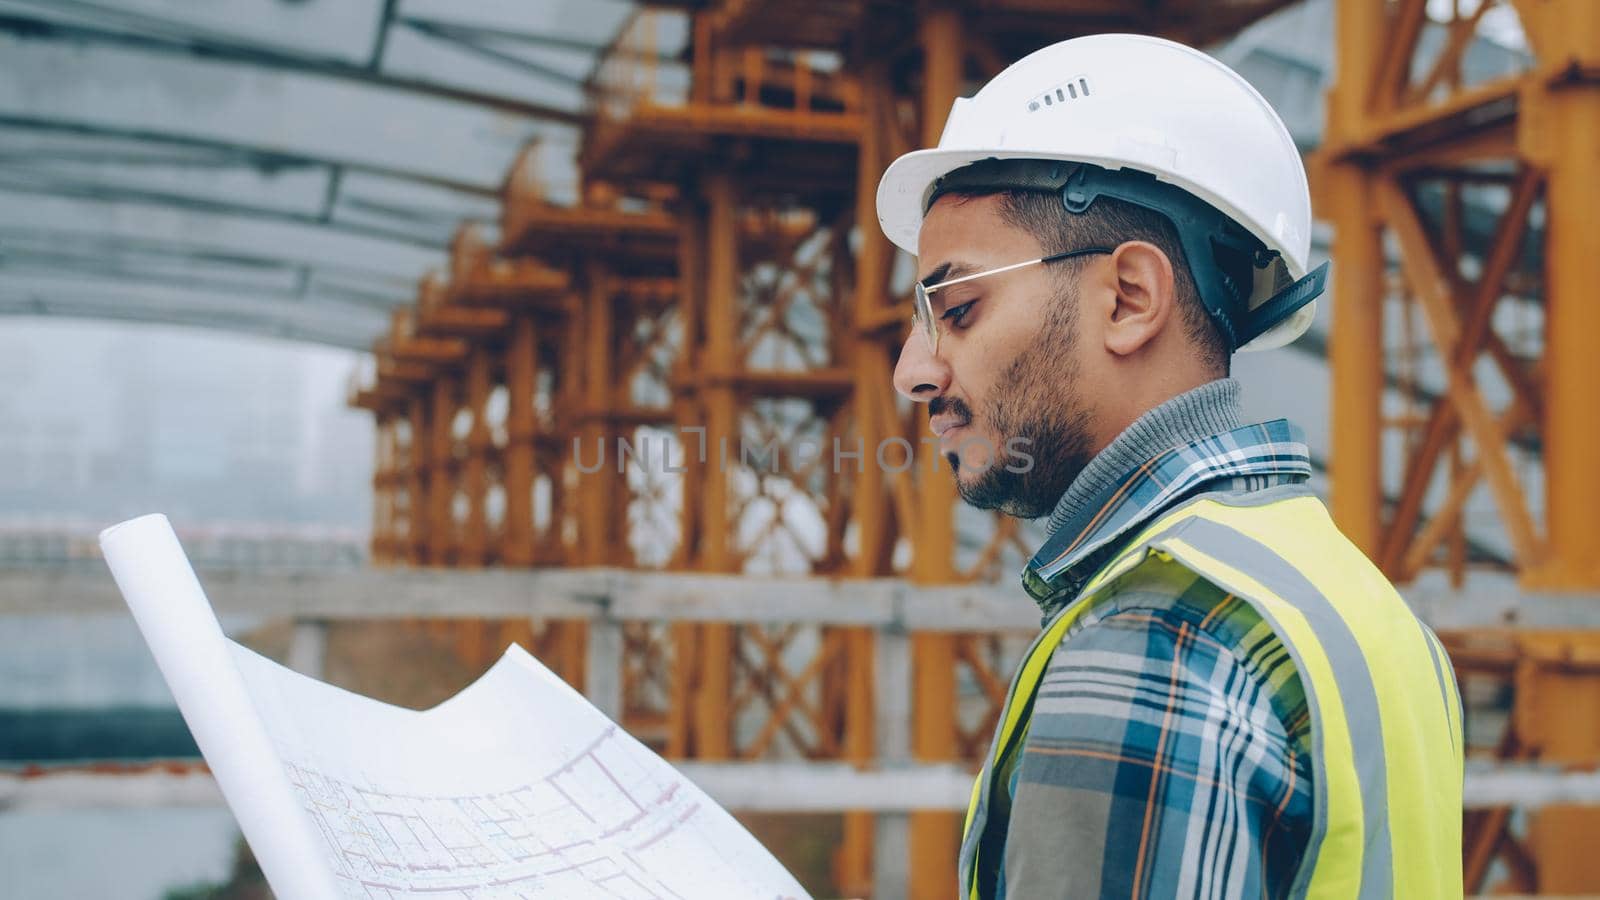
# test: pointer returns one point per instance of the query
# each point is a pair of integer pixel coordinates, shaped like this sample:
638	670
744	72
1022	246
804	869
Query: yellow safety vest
1385	712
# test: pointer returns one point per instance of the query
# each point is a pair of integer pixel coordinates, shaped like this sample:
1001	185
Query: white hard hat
1122	101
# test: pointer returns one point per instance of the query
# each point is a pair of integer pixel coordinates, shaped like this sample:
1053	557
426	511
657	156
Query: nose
919	374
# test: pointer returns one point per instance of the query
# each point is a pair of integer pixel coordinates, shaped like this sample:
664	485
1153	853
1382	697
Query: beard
1037	412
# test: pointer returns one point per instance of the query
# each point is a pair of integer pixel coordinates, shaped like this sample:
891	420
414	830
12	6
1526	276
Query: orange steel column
394	477
595	488
1567	41
935	839
417	484
441	486
521	428
1558	702
475	472
1562	132
1355	345
866	350
868	496
688	413
566	482
713	725
382	489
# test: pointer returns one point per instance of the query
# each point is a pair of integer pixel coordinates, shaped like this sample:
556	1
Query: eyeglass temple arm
929	289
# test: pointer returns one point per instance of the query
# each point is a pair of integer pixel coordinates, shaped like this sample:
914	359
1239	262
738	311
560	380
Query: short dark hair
1111	221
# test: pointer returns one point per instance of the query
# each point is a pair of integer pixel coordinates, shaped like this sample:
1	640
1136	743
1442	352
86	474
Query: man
1227	699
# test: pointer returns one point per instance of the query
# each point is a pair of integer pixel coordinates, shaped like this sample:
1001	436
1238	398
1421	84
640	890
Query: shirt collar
1268	453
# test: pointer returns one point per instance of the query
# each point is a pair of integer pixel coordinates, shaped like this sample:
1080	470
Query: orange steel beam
1446	521
568	401
1482	107
687	409
720	356
1536	137
598	444
1443	422
382	487
1357	322
713	726
438	315
935	837
441	472
1377	150
1432	288
1568	40
768	137
1568	713
1368	23
869	496
522	372
1447	65
475	470
416	492
388	516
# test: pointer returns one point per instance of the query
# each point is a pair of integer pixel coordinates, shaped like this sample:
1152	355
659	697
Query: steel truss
1480	188
726	280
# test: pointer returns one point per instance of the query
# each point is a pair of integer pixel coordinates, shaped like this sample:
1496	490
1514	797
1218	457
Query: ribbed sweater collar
1209	409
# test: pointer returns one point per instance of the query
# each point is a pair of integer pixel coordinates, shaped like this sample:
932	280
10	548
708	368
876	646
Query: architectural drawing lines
585	829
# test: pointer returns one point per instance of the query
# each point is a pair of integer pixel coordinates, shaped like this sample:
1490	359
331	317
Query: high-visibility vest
1385	713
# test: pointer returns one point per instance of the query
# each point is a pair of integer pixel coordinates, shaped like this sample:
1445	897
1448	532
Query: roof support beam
167	231
267	58
281	117
319	321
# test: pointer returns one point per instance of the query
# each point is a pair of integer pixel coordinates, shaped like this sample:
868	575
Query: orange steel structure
1481	190
723	281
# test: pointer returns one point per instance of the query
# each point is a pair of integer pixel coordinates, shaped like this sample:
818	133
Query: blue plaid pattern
1168	749
1244	459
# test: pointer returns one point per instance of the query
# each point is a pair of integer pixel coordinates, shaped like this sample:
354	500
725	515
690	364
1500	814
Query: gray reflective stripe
1350	671
966	865
1349	665
969	842
1455	690
1434	652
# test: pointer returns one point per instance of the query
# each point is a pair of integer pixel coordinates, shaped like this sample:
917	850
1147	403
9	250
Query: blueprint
516	787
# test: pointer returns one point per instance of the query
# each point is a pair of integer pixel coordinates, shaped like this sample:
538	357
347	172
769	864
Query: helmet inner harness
1244	286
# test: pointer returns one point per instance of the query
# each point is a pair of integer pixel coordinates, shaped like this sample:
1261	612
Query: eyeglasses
922	305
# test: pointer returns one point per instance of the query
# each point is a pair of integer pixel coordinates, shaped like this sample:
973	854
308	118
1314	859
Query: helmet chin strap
1283	304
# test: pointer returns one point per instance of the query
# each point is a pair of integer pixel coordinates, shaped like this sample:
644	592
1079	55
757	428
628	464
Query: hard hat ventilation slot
1074	89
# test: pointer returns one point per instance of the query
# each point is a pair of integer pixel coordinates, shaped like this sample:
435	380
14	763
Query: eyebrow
947	270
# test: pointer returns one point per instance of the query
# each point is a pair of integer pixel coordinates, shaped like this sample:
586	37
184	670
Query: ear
1146	295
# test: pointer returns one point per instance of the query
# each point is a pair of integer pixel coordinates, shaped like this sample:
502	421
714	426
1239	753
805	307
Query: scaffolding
1462	357
722	283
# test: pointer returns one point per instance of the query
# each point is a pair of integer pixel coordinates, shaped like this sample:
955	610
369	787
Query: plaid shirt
1167	753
